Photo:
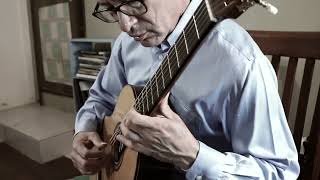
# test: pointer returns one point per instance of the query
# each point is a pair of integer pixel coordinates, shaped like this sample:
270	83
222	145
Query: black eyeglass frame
116	9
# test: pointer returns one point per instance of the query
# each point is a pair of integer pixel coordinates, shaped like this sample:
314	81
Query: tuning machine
246	4
270	8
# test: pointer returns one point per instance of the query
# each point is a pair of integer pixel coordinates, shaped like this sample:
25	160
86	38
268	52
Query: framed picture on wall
55	23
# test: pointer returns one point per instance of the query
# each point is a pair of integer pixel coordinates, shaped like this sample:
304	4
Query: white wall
294	15
97	28
17	84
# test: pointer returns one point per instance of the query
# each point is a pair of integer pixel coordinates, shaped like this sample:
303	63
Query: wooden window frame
77	21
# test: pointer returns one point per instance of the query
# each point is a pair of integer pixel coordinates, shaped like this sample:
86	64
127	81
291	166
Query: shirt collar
171	39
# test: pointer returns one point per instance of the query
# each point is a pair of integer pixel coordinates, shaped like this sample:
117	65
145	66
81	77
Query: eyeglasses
130	8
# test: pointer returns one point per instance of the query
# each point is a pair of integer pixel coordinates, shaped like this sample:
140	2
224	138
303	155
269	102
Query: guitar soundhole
118	150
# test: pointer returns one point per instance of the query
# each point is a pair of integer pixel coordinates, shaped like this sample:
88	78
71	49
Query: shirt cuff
208	160
86	123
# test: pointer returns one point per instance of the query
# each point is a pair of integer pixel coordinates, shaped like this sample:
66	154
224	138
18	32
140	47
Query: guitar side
123	165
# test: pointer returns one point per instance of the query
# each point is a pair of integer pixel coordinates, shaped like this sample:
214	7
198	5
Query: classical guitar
126	164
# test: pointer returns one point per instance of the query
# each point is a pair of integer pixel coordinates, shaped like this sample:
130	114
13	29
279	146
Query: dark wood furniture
297	46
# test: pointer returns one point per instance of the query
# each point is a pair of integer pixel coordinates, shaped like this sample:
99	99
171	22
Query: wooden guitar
126	164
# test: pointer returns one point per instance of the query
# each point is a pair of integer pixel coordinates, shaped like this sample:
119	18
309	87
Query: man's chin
150	42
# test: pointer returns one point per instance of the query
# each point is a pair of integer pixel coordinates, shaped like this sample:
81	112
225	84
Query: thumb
165	109
157	112
96	140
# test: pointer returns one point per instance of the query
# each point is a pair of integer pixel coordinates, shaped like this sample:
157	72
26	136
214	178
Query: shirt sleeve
262	144
103	93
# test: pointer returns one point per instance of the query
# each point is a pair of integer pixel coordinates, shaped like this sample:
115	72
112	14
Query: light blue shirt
227	97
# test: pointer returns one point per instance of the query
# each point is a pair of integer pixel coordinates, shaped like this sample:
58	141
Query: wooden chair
297	45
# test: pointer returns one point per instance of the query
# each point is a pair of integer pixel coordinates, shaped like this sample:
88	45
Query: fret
176	59
151	94
163	82
156	76
209	10
191	38
137	107
185	42
202	20
178	63
142	96
175	48
195	25
143	112
168	62
147	101
150	104
160	80
173	58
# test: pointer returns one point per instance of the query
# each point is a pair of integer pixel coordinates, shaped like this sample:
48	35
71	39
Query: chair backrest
297	46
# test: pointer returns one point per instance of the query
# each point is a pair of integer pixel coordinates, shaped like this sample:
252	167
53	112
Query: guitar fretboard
208	13
175	60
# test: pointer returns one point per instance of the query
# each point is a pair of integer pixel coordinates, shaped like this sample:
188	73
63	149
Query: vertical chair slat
299	45
316	166
303	101
276	63
288	87
315	139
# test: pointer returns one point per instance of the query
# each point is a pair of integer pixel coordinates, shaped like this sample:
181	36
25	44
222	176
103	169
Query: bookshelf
82	57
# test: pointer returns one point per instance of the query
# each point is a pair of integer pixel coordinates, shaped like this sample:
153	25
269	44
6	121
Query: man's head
154	25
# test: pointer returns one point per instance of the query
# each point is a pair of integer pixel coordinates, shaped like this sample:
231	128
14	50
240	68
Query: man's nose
126	22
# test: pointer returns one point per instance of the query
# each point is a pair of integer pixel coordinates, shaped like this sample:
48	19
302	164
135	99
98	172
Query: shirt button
199	178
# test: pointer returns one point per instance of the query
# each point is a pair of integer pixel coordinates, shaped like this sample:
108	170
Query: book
86	76
89	72
93	52
91	59
90	66
95	56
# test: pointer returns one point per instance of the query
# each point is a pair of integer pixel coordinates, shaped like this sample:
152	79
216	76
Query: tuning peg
271	8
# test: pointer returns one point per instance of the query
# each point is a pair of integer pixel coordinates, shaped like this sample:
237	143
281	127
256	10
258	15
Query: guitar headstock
222	9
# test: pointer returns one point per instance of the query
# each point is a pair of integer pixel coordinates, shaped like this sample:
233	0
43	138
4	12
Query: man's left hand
163	136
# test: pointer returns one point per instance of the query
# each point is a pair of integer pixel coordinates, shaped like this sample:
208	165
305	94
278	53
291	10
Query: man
225	119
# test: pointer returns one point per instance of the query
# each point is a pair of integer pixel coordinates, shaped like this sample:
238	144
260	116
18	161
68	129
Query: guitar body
115	168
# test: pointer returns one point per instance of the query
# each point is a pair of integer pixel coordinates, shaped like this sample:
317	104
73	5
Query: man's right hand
88	154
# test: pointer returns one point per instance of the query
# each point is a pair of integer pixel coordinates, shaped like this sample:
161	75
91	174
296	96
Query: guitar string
145	92
164	64
181	47
200	22
117	132
112	139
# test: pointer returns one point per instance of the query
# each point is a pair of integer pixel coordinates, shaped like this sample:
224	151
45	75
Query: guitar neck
207	15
